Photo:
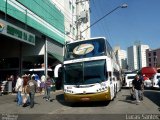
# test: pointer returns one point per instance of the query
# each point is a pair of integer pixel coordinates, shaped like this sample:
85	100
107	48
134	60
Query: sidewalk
39	94
52	92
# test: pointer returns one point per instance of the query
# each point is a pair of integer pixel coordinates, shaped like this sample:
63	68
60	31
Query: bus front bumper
103	96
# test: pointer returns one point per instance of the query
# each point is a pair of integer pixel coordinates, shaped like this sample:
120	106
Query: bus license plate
85	99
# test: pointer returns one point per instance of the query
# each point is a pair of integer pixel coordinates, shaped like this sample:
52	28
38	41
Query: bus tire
115	91
114	94
120	88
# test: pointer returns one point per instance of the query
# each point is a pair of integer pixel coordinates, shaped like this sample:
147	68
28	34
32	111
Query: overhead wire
102	23
95	15
107	28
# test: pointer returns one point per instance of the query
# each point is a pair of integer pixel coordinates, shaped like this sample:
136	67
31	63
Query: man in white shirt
18	88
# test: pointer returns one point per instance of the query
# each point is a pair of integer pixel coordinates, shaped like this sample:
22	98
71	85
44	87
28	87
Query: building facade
137	56
132	58
121	56
142	55
77	18
34	33
153	57
83	19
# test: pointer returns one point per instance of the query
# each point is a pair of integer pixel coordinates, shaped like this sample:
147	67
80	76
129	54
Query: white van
128	79
155	80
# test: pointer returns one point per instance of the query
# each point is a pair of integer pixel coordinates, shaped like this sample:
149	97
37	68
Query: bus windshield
83	49
85	73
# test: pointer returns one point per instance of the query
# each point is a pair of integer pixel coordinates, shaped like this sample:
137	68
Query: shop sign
16	32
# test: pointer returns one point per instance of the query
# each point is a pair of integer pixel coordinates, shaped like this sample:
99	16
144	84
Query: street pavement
121	106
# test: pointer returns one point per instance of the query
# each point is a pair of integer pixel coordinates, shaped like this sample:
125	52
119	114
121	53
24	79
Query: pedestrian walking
38	83
25	93
18	88
32	86
42	84
137	84
48	85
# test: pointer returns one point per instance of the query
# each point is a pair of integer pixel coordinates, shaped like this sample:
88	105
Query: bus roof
86	39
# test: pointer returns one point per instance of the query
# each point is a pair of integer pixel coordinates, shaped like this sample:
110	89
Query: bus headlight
102	89
68	91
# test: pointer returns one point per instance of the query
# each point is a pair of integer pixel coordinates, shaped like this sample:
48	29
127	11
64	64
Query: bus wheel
120	87
115	91
114	94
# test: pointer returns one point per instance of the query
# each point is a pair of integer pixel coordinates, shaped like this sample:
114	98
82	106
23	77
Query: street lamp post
121	6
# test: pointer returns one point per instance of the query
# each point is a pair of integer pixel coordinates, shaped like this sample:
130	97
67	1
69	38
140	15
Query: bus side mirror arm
56	69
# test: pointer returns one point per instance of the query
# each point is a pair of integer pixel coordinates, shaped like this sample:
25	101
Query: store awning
58	57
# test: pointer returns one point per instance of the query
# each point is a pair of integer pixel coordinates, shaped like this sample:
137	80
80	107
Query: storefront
22	51
31	42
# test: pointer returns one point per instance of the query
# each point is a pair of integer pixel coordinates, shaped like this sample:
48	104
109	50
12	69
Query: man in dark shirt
32	90
137	85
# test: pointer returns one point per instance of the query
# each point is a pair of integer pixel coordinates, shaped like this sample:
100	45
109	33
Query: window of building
149	54
154	53
150	65
149	59
155	64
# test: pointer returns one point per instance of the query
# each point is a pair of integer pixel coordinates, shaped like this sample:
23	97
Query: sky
140	21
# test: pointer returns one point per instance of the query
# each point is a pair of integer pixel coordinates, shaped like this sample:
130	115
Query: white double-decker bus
90	71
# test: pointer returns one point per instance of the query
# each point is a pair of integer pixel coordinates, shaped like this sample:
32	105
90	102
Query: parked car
128	79
147	82
148	72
